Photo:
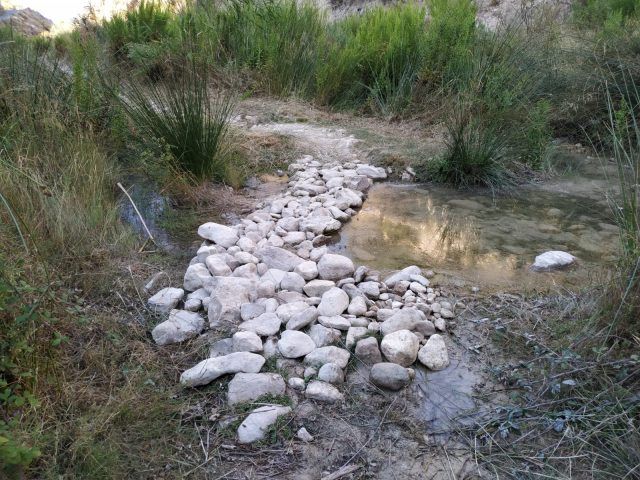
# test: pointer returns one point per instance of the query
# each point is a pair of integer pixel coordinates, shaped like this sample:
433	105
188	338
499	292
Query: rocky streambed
271	282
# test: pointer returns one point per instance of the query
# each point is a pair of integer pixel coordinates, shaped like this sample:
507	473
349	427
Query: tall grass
184	114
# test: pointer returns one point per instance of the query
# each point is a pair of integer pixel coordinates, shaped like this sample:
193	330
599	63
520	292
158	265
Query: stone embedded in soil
304	435
367	351
334	301
246	342
331	373
433	354
208	370
323	392
246	387
335	267
328	354
295	344
181	325
219	234
400	347
255	426
389	375
166	299
265	325
278	258
552	260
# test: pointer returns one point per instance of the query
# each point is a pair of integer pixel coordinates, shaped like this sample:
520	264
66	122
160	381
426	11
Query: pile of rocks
272	280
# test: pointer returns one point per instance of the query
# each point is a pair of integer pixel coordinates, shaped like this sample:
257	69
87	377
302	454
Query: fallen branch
341	472
139	215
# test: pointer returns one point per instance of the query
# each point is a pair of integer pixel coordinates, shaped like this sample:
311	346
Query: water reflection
477	238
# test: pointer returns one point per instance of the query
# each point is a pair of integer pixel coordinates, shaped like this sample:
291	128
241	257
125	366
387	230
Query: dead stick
341	472
138	212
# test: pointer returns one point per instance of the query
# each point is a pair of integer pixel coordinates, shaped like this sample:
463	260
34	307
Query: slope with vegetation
84	393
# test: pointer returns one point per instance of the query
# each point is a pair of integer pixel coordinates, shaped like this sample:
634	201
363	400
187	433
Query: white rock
292	282
288	310
255	426
246	341
330	354
434	354
552	260
367	351
307	270
400	347
295	344
211	368
323	392
302	319
196	276
264	325
357	307
278	258
227	296
297	383
251	310
405	319
323	336
274	276
335	321
219	234
376	173
335	267
247	387
370	289
354	334
402	275
389	375
166	299
316	288
334	301
331	373
181	325
303	435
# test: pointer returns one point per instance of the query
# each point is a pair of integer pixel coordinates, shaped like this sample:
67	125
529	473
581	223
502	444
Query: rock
439	324
335	267
316	288
165	300
323	392
266	289
278	258
307	270
255	426
400	347
334	302
323	336
196	276
288	310
211	368
302	319
402	275
25	21
552	260
434	354
367	351
425	327
446	313
294	238
246	342
303	435
247	387
405	319
320	224
274	276
297	383
354	334
390	376
251	310
331	373
220	348
295	344
192	304
370	289
292	282
376	173
270	347
264	325
330	354
227	296
358	306
336	322
219	234
181	325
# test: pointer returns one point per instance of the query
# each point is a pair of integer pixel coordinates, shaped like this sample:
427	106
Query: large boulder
433	354
219	234
181	325
552	260
197	276
208	370
335	267
247	387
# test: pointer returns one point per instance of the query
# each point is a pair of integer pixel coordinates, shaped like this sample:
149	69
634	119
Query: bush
373	59
184	115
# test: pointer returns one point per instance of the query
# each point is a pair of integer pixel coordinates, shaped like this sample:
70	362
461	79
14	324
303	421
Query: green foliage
185	115
374	58
601	12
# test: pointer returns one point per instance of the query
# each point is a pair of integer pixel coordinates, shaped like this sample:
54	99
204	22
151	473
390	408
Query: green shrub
185	116
373	58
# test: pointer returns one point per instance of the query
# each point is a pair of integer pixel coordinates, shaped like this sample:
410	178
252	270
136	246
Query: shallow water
477	239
